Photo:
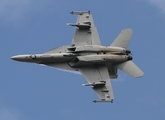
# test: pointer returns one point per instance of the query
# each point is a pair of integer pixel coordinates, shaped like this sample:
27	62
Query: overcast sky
34	92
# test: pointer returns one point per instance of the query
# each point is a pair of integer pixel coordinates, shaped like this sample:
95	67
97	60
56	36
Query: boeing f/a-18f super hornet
97	63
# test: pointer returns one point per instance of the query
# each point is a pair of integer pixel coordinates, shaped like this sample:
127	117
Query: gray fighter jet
97	63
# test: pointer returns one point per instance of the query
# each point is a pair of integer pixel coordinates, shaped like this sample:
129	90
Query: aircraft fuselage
79	56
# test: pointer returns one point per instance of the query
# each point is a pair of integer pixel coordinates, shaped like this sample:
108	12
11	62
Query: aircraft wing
86	32
99	79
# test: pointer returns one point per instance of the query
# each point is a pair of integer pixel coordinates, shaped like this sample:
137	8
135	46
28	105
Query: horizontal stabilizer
130	68
123	39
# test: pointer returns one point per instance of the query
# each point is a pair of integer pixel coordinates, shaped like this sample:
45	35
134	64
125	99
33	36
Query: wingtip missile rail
103	100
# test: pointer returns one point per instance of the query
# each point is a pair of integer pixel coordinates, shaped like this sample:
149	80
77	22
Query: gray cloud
158	3
11	10
16	10
9	114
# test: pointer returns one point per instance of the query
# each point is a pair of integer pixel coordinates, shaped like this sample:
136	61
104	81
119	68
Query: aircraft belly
92	60
56	60
62	66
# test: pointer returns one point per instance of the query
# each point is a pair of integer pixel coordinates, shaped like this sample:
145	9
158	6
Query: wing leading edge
98	78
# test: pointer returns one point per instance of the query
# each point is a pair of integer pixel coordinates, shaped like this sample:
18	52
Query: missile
101	83
103	100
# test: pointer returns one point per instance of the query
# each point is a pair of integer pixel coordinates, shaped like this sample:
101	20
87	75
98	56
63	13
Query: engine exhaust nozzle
130	58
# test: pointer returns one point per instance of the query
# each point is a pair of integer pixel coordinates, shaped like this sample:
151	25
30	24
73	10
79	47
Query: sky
34	92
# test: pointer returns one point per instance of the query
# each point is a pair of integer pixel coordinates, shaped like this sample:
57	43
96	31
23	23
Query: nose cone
32	58
21	58
18	57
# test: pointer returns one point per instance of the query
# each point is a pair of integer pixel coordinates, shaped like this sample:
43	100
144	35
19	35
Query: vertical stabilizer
123	39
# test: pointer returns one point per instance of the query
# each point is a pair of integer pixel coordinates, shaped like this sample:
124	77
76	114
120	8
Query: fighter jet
97	63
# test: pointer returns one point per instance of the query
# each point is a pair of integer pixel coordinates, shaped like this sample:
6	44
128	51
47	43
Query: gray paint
95	62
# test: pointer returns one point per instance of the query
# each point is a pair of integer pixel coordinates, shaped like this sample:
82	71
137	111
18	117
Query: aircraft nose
18	57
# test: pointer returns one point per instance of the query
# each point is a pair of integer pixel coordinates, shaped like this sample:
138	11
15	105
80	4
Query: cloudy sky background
33	92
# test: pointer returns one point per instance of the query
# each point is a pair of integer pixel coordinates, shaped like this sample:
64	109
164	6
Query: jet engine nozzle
128	51
130	58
